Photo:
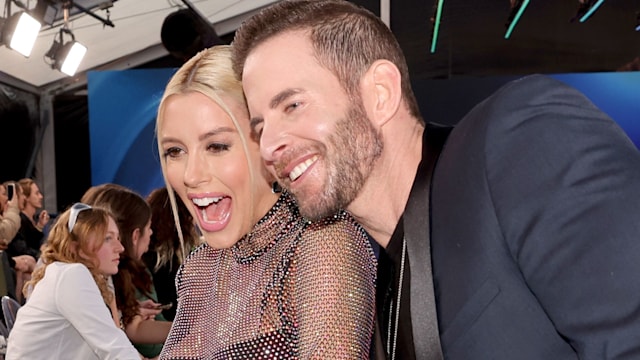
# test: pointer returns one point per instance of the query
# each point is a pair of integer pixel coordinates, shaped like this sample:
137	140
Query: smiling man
529	247
316	169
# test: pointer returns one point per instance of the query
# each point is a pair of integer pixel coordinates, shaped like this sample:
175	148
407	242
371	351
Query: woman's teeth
202	202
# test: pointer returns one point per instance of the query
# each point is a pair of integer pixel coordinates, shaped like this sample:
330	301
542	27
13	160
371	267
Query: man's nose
274	140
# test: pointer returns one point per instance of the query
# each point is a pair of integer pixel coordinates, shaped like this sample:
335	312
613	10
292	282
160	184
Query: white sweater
66	318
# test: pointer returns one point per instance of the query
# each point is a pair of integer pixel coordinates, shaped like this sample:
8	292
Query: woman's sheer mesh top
290	289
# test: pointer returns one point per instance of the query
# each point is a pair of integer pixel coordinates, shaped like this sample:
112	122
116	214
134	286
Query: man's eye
256	133
292	106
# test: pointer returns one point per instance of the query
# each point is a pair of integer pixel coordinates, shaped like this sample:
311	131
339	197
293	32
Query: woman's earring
276	188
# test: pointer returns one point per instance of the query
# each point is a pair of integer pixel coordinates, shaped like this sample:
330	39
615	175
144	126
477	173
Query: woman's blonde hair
25	185
76	247
210	73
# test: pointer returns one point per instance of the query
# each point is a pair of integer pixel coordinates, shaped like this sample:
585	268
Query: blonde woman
266	283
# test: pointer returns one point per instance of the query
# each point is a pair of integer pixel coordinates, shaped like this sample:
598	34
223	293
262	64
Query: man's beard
350	155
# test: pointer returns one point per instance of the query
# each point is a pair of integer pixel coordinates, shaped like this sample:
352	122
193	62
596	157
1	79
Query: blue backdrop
617	94
123	105
122	112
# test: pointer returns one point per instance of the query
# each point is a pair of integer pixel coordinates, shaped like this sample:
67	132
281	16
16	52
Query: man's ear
135	236
381	88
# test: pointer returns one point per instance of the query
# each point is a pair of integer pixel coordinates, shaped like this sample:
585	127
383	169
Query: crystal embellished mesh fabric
288	290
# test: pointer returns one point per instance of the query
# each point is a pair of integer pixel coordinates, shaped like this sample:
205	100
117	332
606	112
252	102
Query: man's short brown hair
346	39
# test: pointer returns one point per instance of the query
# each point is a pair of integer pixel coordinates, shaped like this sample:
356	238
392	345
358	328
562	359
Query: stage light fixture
19	32
437	16
66	57
587	8
46	11
517	8
638	21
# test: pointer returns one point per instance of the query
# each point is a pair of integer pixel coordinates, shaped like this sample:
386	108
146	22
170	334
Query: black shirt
389	266
31	235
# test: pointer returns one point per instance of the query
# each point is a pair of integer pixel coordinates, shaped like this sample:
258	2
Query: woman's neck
29	210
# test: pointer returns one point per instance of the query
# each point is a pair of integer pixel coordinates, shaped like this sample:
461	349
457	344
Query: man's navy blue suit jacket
535	231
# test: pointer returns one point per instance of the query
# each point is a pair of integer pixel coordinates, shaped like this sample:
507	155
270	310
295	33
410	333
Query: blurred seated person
165	253
32	227
9	215
133	283
22	259
67	315
18	244
9	225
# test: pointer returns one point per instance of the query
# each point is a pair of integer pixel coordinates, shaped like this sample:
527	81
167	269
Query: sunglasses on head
76	209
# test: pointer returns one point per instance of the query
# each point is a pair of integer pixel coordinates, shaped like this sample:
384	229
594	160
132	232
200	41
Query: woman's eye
218	147
172	152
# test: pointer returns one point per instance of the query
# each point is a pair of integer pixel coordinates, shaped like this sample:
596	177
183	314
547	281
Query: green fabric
149	350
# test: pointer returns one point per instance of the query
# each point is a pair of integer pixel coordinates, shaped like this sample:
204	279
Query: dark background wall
73	170
19	126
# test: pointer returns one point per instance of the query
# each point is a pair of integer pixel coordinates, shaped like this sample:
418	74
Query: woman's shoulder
67	265
339	232
199	267
66	269
336	223
63	277
203	254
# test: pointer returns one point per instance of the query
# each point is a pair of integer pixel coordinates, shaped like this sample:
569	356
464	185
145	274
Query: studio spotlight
66	57
638	22
586	9
517	8
19	32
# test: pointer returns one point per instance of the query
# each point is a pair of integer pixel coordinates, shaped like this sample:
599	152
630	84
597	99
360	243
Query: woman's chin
221	240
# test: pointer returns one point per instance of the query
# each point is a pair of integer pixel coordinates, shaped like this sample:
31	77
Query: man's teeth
301	168
206	201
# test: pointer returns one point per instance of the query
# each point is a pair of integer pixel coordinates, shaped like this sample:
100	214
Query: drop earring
276	188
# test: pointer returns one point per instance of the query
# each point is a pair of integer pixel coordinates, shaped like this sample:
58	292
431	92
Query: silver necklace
392	350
